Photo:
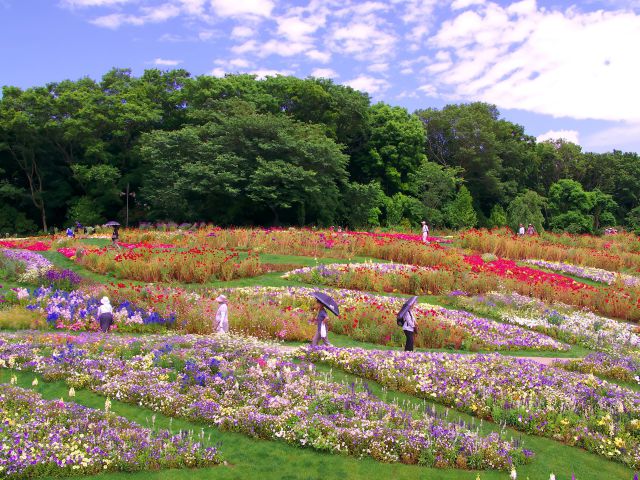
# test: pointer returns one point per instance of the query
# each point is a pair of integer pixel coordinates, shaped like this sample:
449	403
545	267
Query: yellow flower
35	382
72	392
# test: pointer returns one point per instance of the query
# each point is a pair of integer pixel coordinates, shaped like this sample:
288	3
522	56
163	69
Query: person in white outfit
425	232
105	314
222	319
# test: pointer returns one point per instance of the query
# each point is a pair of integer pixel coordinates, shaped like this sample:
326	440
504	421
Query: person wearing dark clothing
321	322
409	328
105	315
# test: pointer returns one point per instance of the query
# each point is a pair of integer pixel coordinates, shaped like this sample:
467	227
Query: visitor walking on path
222	315
105	314
425	232
406	319
321	323
324	301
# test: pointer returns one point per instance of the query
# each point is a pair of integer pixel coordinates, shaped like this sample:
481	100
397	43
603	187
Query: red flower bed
26	245
146	245
67	252
508	269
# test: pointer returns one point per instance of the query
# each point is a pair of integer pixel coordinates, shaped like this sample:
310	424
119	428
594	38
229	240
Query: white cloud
363	38
319	56
205	35
218	72
166	62
623	136
242	32
233	63
160	13
369	84
271	47
324	73
296	29
115	20
571	63
92	3
460	4
378	67
428	90
242	8
568	135
157	14
193	7
262	73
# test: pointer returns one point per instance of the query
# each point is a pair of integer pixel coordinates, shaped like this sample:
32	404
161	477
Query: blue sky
561	69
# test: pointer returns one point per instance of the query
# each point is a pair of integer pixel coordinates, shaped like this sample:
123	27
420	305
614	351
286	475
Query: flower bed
617	367
568	325
32	245
371	318
595	274
77	310
553	248
244	386
195	265
578	410
41	437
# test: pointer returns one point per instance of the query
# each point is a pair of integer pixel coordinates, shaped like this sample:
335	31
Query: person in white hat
425	232
222	319
105	314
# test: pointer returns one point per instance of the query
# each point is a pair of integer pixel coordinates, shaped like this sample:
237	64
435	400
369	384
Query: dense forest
283	150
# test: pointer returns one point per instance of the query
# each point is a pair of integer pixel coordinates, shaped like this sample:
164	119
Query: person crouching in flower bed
222	318
105	314
321	321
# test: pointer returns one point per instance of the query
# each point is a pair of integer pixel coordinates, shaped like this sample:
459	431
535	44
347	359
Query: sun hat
104	300
221	299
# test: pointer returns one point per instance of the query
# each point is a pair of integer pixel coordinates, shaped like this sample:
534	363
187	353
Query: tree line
242	151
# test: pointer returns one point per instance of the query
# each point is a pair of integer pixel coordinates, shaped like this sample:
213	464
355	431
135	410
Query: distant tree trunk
27	162
276	218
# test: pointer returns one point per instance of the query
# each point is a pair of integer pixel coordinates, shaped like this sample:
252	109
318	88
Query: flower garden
527	361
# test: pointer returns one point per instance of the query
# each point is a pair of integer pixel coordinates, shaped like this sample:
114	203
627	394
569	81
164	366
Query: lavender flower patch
618	367
34	266
576	409
334	270
77	310
41	437
595	274
573	326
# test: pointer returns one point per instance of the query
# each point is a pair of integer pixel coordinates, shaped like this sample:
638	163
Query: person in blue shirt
321	322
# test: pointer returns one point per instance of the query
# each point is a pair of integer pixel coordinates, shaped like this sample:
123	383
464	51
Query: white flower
513	474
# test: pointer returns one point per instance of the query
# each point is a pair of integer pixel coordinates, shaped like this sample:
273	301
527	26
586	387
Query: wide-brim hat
104	300
221	299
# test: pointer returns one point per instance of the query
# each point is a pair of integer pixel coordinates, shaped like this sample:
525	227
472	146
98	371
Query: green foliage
526	208
434	186
498	217
365	205
238	150
633	219
86	211
460	212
